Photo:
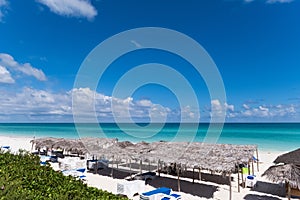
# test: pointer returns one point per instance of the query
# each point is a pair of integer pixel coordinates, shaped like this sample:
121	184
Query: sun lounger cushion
162	190
172	197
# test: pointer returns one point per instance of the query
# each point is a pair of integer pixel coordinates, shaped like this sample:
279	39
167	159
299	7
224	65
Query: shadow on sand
223	180
119	174
258	197
269	188
197	189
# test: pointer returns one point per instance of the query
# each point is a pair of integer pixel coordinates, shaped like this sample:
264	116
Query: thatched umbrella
44	142
61	143
290	157
77	147
286	173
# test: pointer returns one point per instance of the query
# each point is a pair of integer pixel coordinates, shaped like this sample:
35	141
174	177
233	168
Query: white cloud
88	103
268	112
5	76
71	8
41	105
144	103
9	62
3	7
189	114
219	110
229	107
245	106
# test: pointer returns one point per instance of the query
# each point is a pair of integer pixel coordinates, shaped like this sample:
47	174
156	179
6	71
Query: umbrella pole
257	163
178	180
289	191
238	178
130	169
149	166
200	174
158	170
96	169
252	167
230	189
141	166
193	175
248	167
112	168
242	178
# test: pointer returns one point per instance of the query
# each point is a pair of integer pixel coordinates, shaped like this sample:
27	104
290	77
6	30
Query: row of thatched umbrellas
220	158
213	157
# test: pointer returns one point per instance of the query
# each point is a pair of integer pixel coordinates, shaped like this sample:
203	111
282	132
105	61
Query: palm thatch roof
289	173
213	157
290	157
78	146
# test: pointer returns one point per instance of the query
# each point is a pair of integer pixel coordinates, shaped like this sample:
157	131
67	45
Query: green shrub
22	177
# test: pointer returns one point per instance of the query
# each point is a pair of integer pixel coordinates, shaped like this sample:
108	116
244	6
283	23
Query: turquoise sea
268	136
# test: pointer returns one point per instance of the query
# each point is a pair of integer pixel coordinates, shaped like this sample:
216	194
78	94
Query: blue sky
254	43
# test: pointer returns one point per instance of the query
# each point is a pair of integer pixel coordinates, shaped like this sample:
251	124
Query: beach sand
213	188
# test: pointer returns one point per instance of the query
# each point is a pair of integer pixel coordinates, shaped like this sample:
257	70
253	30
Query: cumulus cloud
268	112
190	114
5	76
3	7
40	105
9	63
229	107
71	8
87	105
218	109
263	113
246	106
35	105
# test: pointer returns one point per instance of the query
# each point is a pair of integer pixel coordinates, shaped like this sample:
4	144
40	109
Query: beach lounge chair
82	177
130	188
172	197
43	163
145	176
156	194
82	170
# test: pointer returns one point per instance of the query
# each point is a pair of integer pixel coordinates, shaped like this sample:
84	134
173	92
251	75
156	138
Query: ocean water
268	136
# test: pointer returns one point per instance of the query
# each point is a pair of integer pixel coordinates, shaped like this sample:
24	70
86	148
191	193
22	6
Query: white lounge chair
130	188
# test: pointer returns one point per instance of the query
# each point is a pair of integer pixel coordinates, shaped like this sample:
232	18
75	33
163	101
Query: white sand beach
199	190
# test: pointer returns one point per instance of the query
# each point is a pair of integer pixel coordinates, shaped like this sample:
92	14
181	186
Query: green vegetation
22	177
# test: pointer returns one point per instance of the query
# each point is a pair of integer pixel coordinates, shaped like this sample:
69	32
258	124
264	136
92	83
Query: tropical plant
22	177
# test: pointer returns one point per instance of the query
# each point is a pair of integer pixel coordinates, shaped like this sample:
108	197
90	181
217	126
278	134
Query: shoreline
268	136
260	148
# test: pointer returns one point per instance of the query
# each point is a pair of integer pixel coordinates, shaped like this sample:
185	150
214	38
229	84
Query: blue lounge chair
172	197
82	170
43	163
5	147
155	194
